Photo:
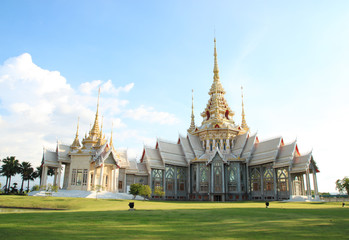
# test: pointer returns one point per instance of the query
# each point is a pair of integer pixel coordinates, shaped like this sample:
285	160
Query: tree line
10	166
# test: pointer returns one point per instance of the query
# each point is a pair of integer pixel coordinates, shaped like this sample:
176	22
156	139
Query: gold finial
111	135
215	68
192	124
76	142
95	128
243	121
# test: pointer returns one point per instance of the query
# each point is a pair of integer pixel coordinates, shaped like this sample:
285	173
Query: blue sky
291	58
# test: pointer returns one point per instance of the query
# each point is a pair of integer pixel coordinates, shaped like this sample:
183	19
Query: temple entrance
217	198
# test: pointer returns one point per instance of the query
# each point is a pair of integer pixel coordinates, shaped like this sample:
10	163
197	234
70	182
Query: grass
109	219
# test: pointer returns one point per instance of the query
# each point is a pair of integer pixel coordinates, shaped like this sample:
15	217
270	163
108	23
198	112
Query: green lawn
109	219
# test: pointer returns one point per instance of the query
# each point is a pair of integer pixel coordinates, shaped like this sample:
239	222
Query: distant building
217	161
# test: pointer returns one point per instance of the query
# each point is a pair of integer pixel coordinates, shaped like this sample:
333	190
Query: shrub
158	191
145	191
135	189
35	188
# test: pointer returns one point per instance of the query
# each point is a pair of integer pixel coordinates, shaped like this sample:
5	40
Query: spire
217	110
192	124
76	142
111	136
95	128
243	121
215	67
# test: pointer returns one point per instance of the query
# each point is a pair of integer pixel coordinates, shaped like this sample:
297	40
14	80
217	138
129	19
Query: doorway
217	198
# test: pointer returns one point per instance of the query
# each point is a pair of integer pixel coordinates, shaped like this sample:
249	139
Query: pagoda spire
217	110
111	136
192	124
243	121
76	142
215	67
95	128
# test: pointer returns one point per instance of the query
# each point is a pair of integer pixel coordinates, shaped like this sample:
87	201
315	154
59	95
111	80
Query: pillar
207	145
101	176
290	184
275	184
55	177
316	190
59	175
308	184
221	147
94	178
43	175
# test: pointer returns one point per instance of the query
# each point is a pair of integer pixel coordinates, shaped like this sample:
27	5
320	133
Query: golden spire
192	124
95	128
111	136
217	110
215	68
76	142
243	121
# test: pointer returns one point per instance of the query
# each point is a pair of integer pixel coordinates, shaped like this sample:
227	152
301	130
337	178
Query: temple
216	161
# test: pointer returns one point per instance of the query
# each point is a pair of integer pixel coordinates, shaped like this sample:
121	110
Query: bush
158	191
135	189
145	191
35	188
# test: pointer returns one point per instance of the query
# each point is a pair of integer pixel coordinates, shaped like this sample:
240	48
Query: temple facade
216	161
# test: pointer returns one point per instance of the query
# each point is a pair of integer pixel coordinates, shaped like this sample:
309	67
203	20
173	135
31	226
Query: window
91	179
169	174
282	175
255	179
106	181
268	179
211	145
217	176
181	179
224	144
79	177
232	171
84	180
73	178
156	178
120	185
204	173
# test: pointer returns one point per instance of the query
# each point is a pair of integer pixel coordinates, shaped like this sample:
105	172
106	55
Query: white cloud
107	87
148	114
38	106
88	87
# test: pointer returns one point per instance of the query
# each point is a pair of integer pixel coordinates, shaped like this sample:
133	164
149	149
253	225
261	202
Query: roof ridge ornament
192	124
243	121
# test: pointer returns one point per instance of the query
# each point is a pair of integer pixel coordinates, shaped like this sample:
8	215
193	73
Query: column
221	148
175	182
290	185
43	175
275	184
316	190
248	187
227	144
101	176
207	145
262	182
94	178
197	178
117	179
59	175
308	184
55	177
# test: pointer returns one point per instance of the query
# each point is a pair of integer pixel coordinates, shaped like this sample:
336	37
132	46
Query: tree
145	191
342	185
25	170
31	176
9	168
158	191
135	189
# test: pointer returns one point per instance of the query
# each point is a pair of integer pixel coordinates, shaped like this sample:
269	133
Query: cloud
107	87
39	106
148	114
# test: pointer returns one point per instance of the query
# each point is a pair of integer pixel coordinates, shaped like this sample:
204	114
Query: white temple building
217	161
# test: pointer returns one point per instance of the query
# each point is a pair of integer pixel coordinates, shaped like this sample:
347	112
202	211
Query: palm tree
9	168
24	169
32	175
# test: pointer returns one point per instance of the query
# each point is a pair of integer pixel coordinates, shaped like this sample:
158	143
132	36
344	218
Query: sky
291	57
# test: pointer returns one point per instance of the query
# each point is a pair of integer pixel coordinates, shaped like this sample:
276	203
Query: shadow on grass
250	223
